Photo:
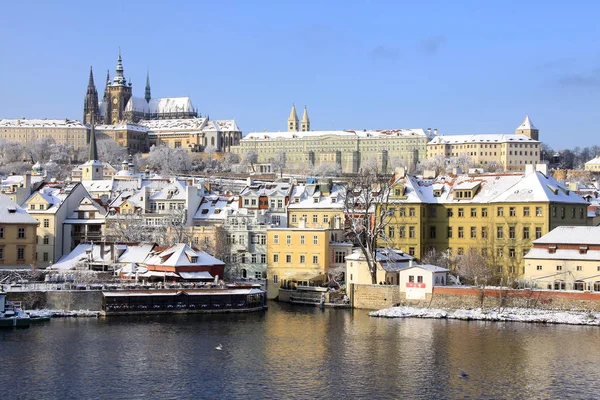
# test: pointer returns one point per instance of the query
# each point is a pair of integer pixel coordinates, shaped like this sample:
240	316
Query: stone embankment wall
59	299
378	296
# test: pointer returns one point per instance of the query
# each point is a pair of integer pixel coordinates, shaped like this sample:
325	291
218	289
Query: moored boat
11	314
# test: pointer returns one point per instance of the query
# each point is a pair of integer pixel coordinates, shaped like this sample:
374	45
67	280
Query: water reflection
297	352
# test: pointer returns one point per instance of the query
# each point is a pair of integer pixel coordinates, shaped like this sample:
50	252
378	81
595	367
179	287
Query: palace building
137	123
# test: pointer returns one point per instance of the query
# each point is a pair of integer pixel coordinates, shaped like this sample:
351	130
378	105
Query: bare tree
368	213
249	159
474	268
438	258
278	162
326	169
167	160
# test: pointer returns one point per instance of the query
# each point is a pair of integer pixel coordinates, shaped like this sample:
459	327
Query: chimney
27	180
428	131
410	263
435	132
543	168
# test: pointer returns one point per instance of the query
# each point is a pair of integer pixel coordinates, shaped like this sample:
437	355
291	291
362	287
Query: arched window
579	285
244	273
559	285
212	141
596	286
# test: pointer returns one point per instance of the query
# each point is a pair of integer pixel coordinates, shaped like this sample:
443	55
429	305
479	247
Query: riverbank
497	315
44	313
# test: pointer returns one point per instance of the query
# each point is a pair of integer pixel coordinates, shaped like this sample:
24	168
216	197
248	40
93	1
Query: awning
196	275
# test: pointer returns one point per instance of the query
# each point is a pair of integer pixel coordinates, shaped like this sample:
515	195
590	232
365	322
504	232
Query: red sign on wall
415	285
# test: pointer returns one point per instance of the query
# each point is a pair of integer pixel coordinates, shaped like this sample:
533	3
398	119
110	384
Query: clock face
115	100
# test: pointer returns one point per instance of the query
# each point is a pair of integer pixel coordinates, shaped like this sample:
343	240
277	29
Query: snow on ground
504	314
62	313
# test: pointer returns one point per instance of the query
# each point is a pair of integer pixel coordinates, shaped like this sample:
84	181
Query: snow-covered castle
119	105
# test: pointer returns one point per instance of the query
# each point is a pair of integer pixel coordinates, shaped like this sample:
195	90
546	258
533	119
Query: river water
296	352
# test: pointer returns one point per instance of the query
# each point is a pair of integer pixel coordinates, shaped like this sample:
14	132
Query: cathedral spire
90	105
293	120
147	95
93	156
119	79
305	126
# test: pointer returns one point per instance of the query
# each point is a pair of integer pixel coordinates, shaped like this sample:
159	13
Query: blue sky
459	66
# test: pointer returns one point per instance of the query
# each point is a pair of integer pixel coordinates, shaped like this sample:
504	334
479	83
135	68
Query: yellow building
498	214
567	258
27	131
316	205
301	256
593	165
17	235
130	136
513	152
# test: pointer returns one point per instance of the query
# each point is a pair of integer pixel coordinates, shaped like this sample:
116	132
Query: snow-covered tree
111	152
248	160
326	169
168	160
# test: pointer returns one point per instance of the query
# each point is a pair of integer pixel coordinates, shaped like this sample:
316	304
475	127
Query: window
315	218
325	219
525	232
411	232
1	232
288	258
315	240
579	268
460	251
449	212
554	212
402	231
315	259
559	267
572	212
461	212
512	253
339	257
288	239
432	232
294	218
243	259
473	232
263	239
484	212
302	259
274	278
275	239
539	268
500	252
257	275
500	212
302	239
433	212
449	233
538	211
420	279
46	239
526	211
511	232
46	223
253	259
391	232
461	233
263	258
411	212
20	253
499	232
21	233
402	211
411	251
512	211
411	278
473	212
275	258
538	232
2	253
484	232
581	213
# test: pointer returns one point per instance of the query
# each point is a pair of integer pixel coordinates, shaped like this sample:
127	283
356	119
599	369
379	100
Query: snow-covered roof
174	191
428	267
562	254
594	161
493	188
310	196
526	124
349	133
160	106
181	255
41	123
576	235
179	124
482	138
11	213
215	208
124	253
121	127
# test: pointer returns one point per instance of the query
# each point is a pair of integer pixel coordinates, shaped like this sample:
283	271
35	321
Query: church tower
90	104
305	125
147	95
119	93
106	101
527	128
293	120
92	170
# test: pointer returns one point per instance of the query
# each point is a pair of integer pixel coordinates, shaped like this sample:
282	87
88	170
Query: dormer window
315	200
297	200
194	259
551	249
437	192
583	250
